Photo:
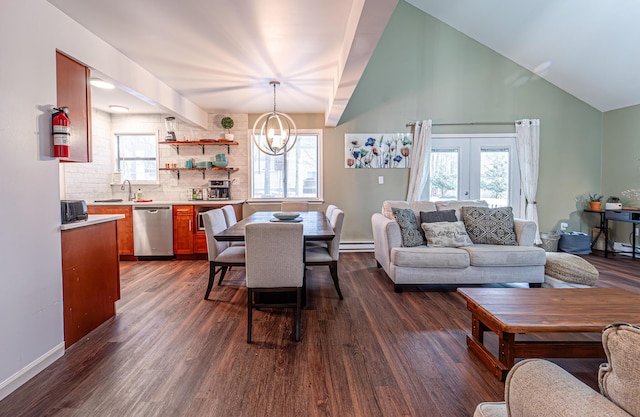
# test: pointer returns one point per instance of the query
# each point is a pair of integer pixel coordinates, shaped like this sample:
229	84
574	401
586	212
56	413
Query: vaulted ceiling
221	54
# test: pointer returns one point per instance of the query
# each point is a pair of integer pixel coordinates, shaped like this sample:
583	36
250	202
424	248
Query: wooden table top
551	310
315	224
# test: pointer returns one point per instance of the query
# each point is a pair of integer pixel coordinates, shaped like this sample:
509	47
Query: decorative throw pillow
619	378
446	234
409	229
489	225
438	216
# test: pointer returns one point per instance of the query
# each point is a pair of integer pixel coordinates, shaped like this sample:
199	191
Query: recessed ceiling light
119	109
100	83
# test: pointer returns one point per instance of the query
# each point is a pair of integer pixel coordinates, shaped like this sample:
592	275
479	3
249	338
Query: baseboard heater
356	246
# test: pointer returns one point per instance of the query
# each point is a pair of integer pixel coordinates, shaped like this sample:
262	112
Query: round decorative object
286	215
218	163
226	122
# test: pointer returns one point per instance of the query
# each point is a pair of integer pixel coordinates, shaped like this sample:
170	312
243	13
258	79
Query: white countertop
93	219
171	202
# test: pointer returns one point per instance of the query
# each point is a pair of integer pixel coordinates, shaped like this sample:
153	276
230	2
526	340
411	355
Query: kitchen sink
112	200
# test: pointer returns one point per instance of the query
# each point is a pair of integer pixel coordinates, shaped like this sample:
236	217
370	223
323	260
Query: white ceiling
588	48
221	54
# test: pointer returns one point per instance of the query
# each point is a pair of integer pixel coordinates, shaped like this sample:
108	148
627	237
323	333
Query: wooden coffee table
511	311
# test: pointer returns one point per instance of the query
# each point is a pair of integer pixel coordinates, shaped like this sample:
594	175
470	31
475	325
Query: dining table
316	227
315	224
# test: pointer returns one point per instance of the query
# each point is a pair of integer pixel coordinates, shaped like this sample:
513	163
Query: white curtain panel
528	148
419	172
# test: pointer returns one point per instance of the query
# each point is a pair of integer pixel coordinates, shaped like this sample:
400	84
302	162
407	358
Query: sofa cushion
501	255
446	234
492	226
416	206
570	268
426	257
438	216
387	205
457	204
409	228
619	378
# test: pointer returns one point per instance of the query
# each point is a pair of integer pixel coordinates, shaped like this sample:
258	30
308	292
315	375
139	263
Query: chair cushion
233	254
409	228
570	268
500	255
619	379
446	234
423	257
492	226
498	409
438	216
316	253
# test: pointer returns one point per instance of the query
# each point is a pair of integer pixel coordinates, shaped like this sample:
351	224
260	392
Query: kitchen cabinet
90	278
184	222
74	92
124	226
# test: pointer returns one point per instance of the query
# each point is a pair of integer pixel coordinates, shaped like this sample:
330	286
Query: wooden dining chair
274	264
328	255
222	256
294	206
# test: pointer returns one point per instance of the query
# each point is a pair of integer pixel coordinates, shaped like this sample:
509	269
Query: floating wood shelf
202	143
229	170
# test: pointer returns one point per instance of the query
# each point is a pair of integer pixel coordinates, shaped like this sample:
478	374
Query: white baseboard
356	246
22	376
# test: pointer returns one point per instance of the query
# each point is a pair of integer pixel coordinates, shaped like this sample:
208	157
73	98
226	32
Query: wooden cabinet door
74	92
124	226
183	230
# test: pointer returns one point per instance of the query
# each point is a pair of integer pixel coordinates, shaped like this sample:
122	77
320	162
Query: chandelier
274	133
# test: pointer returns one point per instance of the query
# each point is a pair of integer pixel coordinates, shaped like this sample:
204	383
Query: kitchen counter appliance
73	211
153	230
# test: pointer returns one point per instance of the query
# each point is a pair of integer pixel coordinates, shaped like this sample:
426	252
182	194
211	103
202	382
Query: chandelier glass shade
274	133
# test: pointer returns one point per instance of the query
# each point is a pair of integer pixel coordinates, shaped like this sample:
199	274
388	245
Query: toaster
73	211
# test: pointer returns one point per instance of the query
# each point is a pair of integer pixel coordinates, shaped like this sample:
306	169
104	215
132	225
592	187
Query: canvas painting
378	150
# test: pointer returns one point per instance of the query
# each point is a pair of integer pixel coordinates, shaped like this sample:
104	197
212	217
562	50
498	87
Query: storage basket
550	241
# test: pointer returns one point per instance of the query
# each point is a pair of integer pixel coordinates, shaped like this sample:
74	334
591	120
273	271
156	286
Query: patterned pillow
438	216
409	229
446	234
492	226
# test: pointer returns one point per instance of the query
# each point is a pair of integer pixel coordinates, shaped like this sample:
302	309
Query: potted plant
613	203
227	123
595	201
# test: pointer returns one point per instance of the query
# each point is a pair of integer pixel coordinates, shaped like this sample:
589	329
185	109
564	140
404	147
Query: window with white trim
296	175
136	157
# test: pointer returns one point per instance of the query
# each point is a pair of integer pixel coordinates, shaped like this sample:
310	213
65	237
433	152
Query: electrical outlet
563	226
637	232
380	179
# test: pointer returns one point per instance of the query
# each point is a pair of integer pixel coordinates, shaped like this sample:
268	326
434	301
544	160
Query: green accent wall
621	162
423	68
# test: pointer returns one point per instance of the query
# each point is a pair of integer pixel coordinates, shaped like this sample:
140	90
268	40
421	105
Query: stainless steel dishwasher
153	230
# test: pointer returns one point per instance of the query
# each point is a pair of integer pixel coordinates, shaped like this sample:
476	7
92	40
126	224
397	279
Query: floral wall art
377	150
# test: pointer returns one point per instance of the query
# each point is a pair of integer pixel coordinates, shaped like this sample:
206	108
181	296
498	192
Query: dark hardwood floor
168	352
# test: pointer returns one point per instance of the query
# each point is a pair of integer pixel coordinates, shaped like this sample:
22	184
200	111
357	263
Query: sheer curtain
528	148
419	172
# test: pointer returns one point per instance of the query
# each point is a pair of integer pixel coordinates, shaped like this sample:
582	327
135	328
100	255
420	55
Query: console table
627	215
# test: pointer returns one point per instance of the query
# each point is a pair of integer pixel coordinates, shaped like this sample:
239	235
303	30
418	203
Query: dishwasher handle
153	209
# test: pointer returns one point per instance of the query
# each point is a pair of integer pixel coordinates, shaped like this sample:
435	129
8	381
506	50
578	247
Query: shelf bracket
202	147
203	172
177	148
178	172
228	150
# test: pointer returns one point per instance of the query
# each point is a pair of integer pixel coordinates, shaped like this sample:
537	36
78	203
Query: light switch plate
380	179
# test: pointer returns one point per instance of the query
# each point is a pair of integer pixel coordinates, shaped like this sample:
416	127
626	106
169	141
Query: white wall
31	324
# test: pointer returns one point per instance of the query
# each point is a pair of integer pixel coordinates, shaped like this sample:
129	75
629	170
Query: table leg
506	354
476	345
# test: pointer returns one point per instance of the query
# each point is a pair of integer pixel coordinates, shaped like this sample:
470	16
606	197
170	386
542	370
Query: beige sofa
538	388
476	264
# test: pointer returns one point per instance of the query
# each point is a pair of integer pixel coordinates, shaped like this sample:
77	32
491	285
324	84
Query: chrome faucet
130	195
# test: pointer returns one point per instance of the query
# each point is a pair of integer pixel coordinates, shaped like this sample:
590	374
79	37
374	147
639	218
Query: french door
471	167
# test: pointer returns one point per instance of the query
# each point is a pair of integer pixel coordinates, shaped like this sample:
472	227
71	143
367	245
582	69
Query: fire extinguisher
61	132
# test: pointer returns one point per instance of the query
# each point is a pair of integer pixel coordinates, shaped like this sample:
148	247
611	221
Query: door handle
190	226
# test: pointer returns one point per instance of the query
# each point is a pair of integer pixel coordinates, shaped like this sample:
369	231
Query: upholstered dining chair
328	255
294	206
221	255
274	264
328	212
231	219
